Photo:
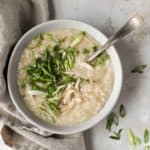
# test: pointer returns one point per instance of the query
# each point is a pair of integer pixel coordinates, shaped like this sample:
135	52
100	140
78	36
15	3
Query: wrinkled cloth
16	17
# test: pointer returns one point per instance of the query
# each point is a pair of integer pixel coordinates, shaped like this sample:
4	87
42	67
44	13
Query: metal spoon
133	23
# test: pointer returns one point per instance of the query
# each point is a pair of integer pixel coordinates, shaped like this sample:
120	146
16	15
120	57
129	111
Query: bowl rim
31	120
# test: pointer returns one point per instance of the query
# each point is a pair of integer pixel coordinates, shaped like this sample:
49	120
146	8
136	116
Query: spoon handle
133	23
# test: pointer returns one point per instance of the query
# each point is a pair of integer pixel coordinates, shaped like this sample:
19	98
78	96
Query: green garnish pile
47	74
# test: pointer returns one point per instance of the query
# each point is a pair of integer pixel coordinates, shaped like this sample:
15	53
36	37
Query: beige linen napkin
16	17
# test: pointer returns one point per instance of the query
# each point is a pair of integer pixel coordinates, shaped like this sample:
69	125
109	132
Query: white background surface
108	16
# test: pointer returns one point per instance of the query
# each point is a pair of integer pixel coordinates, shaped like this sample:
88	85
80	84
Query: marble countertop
108	16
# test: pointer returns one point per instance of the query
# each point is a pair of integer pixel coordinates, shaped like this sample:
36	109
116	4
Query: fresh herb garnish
139	69
77	39
100	59
146	136
116	135
86	51
147	147
95	48
61	40
48	36
122	111
112	119
36	41
134	140
50	108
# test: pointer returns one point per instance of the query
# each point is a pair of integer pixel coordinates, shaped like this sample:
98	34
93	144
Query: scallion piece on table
112	119
116	135
146	136
134	140
139	69
122	111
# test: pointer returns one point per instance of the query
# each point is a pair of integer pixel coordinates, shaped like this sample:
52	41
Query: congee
55	81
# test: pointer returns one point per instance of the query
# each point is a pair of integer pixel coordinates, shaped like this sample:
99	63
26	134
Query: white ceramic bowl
12	79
